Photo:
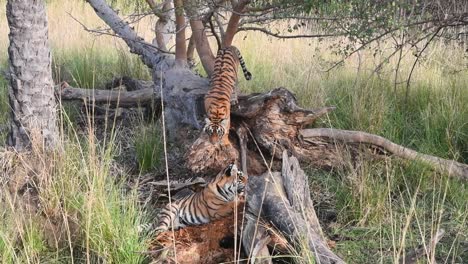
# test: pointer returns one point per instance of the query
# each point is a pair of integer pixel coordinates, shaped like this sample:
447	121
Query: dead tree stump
276	198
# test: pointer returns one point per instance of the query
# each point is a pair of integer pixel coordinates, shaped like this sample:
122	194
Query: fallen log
129	83
274	123
275	194
141	97
451	167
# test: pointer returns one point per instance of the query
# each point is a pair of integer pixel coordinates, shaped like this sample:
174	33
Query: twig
397	70
416	61
99	32
278	35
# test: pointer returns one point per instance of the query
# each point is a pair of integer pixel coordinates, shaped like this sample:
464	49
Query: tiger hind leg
168	217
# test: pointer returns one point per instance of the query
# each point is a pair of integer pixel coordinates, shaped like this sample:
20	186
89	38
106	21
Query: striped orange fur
214	201
219	97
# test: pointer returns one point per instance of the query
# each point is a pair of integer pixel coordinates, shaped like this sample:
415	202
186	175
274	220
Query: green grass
99	216
383	207
4	107
91	68
148	147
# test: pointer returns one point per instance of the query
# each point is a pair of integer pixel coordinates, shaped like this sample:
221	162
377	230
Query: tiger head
230	182
216	130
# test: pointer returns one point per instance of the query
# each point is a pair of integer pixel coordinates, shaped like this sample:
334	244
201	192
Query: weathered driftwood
255	239
451	167
296	186
135	98
270	197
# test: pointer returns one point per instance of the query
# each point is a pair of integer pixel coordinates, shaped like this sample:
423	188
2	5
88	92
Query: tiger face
231	182
216	130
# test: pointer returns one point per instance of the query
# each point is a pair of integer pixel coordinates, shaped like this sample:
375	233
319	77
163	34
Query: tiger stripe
219	97
214	201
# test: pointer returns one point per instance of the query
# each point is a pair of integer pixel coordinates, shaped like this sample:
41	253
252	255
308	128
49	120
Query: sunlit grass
85	212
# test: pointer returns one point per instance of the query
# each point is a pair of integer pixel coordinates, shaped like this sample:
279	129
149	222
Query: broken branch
452	167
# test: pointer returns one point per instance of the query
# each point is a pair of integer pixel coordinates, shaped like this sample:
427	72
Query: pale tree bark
199	35
31	90
181	47
165	25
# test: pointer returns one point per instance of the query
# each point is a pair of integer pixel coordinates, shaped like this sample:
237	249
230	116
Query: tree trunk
31	88
181	47
165	25
233	24
199	35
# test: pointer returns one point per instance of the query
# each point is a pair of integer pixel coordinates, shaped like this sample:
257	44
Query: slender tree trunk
165	24
31	88
191	52
233	23
199	35
181	47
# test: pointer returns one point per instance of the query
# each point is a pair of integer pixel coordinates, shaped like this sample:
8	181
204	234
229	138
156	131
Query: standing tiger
216	200
221	94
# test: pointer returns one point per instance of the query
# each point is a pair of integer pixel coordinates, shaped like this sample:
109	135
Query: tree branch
416	62
149	55
233	23
163	22
278	35
107	33
201	40
452	167
220	26
181	47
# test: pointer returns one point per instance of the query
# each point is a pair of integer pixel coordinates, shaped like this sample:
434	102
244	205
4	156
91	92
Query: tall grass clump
148	147
85	213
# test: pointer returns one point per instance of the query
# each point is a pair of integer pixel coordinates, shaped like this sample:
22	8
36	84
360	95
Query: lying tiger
216	200
222	92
